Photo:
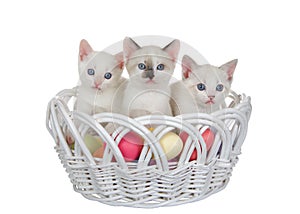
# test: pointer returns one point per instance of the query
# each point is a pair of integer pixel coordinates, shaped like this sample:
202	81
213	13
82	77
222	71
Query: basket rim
241	110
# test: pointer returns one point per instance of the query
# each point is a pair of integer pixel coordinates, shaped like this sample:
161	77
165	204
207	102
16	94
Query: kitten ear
84	49
172	49
187	64
129	46
120	59
229	68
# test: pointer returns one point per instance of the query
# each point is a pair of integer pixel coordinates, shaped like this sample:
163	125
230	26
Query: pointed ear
229	68
84	49
172	49
129	46
120	59
187	64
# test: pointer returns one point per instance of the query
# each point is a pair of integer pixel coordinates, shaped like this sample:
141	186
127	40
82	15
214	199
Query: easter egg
131	146
92	142
208	137
151	129
100	151
183	136
171	144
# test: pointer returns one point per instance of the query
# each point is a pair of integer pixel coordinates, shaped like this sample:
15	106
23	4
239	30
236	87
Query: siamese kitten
150	69
100	76
203	87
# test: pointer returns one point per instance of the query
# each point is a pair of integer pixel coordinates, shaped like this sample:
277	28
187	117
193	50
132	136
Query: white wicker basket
148	183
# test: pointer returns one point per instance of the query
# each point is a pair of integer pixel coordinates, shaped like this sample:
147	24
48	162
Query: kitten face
150	65
208	84
99	70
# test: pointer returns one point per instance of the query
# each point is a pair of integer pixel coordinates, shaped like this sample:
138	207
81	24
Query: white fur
144	95
96	93
182	101
187	98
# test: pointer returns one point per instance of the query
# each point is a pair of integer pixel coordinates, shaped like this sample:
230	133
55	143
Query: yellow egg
172	145
92	142
151	129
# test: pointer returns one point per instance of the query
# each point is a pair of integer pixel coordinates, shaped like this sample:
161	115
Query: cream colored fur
148	90
96	93
187	98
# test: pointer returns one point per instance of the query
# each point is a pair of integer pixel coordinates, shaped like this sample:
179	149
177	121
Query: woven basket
151	181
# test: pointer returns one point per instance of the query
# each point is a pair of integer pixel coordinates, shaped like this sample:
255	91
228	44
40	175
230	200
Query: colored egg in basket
208	137
165	177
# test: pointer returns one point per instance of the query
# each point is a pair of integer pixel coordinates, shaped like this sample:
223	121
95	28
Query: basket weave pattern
152	180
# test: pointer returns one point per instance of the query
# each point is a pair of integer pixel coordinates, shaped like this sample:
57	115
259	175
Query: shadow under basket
151	180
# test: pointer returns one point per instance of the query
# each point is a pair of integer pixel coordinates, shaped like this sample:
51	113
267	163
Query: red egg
131	146
208	137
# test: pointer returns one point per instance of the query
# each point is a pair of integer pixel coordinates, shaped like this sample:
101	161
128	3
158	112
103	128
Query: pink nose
97	84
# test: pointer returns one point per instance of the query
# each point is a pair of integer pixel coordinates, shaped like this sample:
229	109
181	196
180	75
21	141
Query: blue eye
219	87
201	87
160	67
107	75
141	66
91	71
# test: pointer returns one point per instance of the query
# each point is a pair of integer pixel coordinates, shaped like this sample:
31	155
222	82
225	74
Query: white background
38	54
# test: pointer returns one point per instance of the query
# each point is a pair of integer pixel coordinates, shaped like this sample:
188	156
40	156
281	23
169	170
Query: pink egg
208	137
131	146
183	136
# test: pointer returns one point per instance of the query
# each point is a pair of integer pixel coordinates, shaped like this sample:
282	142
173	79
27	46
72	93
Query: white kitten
203	88
100	76
150	69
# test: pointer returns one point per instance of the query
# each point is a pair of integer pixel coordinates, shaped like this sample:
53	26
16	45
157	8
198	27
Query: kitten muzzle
148	74
98	85
211	100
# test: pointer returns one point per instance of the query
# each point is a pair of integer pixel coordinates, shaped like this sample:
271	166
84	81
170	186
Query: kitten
150	69
203	88
100	76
